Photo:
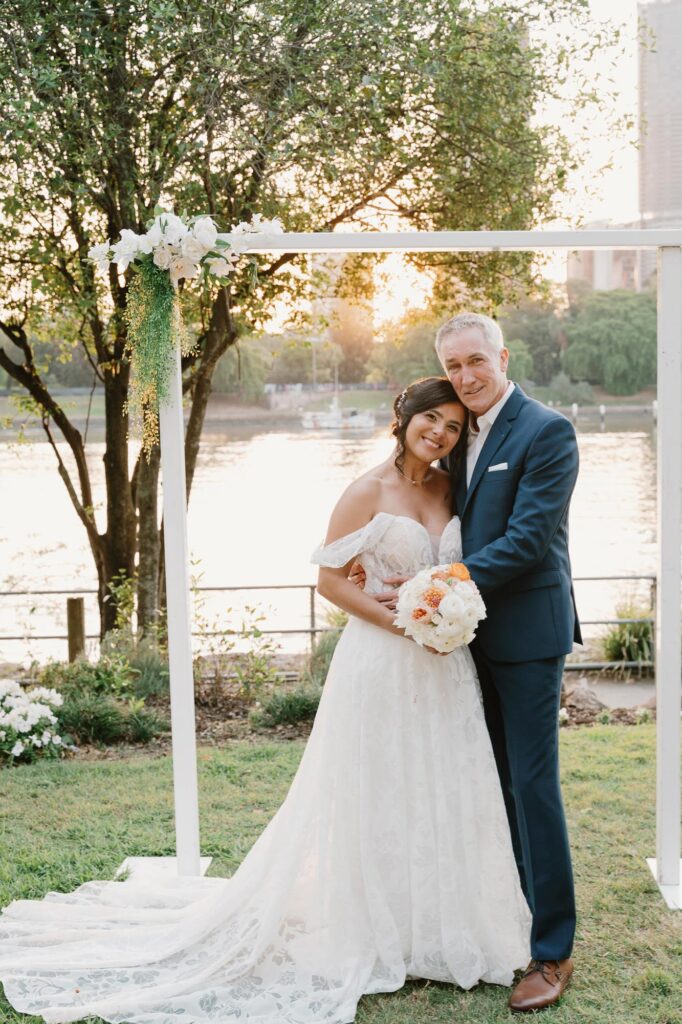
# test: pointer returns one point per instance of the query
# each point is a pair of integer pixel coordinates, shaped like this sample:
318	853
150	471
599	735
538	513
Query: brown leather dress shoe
543	983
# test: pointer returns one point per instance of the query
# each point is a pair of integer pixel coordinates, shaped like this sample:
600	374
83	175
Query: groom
512	496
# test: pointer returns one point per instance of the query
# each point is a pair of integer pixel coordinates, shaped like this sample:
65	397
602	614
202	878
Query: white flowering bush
28	724
440	607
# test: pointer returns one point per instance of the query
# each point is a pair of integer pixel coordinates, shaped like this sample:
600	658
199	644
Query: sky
601	194
616	196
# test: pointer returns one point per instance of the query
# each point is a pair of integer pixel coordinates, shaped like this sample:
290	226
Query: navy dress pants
521	703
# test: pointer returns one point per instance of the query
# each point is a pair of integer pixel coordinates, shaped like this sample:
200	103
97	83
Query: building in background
660	120
606	269
660	153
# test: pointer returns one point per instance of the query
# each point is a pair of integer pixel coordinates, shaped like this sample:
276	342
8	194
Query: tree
406	353
351	330
520	360
316	111
537	324
242	371
612	341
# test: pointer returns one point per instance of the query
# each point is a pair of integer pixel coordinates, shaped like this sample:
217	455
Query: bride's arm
354	510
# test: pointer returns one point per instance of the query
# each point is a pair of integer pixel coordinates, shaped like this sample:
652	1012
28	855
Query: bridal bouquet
440	607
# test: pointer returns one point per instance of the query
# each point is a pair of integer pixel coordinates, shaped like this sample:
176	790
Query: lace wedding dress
390	858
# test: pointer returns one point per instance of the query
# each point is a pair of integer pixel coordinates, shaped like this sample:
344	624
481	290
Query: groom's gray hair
488	327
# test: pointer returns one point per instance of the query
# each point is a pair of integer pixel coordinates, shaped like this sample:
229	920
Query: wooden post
75	624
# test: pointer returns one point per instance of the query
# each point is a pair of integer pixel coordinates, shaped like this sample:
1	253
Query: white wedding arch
666	866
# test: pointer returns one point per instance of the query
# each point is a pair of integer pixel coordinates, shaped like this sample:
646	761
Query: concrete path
616	693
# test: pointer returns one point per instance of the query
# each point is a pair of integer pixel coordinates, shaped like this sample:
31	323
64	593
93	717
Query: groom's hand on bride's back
389	598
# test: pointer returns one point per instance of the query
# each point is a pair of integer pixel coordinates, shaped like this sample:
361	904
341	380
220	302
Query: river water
260	503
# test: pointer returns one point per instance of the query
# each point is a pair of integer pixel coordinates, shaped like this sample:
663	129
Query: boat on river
336	418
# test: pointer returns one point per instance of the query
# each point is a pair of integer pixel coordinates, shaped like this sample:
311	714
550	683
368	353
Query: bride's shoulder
356	506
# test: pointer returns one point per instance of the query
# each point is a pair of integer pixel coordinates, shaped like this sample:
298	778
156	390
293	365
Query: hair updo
419	396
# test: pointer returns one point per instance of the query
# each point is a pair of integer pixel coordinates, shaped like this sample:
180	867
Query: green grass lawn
62	824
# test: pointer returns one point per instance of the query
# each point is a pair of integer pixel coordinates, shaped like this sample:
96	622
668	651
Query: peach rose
433	597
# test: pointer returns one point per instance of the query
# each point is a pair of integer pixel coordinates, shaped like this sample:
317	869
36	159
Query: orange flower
440	575
433	597
419	613
459	571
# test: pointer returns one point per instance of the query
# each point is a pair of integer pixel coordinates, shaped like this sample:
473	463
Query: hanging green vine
154	320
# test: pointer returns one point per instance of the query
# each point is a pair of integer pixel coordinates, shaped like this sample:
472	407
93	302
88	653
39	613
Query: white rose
452	607
182	268
205	232
163	257
18	749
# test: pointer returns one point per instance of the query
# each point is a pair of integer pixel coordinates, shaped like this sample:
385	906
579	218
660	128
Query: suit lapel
498	433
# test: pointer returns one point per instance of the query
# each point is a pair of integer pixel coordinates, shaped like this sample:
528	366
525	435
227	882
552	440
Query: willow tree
319	112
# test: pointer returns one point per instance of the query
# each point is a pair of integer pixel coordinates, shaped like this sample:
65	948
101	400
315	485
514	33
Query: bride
390	857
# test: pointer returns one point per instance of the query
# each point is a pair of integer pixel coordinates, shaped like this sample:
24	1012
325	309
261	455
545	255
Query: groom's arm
543	493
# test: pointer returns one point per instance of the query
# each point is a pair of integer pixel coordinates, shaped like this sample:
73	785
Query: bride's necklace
415	483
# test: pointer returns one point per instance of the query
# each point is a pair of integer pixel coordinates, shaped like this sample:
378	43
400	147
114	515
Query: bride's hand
389	598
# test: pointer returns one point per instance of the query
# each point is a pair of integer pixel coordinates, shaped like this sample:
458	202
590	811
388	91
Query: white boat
336	418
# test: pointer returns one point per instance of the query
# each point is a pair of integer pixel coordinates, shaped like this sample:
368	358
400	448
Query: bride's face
433	434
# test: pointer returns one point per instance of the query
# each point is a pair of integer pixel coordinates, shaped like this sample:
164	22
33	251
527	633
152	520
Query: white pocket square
498	467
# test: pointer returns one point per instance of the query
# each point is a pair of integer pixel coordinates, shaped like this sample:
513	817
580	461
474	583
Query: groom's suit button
543	983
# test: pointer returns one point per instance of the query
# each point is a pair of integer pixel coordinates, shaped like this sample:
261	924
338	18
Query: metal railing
312	630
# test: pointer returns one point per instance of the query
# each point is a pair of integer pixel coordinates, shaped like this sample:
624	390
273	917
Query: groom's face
477	370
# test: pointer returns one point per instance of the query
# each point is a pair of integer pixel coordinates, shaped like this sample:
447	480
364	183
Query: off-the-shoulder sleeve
340	551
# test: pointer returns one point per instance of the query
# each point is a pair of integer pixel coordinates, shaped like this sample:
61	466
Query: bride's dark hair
419	396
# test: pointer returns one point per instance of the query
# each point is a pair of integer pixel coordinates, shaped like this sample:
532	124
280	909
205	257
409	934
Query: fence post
75	624
313	630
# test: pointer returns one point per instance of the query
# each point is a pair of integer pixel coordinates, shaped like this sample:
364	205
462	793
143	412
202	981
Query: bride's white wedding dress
389	858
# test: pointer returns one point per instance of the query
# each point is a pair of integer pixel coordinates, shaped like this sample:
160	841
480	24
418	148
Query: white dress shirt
478	435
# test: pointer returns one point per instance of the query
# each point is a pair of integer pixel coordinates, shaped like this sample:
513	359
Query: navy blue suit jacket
515	532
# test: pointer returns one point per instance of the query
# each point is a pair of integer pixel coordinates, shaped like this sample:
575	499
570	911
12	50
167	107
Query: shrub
629	641
565	391
317	666
288	708
146	656
90	718
111	675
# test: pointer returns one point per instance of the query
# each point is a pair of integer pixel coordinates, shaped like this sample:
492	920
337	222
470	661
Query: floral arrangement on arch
171	250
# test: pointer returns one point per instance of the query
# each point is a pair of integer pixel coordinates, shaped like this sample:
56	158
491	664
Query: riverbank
224	412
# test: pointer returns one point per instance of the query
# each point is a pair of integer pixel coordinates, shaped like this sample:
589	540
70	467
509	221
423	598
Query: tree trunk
148	540
119	538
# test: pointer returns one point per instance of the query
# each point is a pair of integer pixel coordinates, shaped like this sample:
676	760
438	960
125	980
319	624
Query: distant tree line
560	350
595	339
